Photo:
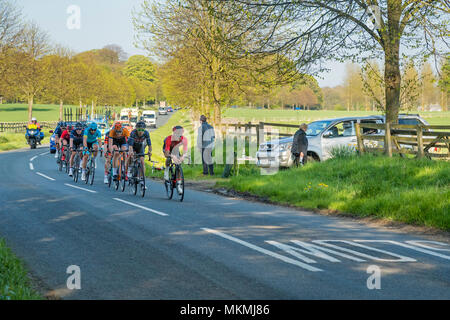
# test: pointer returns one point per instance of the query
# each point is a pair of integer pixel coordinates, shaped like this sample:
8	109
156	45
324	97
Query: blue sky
106	22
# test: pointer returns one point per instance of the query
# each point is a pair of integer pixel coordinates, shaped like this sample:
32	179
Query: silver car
323	136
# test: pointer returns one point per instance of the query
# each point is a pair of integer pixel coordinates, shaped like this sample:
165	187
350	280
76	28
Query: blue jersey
91	138
77	138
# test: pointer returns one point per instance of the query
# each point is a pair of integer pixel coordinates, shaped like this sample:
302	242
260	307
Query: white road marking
46	177
72	186
43	154
31	166
32	159
141	207
264	251
412	245
400	257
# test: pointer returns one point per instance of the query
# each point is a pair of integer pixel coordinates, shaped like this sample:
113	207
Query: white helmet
33	119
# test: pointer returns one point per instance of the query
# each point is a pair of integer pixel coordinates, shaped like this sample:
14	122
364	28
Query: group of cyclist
118	139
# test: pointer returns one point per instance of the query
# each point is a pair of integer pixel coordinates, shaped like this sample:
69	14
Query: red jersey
65	135
170	145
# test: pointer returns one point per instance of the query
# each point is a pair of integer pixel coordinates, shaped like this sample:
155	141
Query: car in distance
162	111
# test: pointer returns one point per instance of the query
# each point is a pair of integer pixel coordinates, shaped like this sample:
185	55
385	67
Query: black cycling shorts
120	142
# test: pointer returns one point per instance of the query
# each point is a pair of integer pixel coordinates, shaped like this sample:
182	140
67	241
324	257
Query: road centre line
31	166
264	251
43	154
46	177
141	207
32	159
72	186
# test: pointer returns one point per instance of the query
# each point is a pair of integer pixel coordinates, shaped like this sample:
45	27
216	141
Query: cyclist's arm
85	141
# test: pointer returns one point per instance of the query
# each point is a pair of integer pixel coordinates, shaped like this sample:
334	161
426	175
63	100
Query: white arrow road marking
31	166
265	251
72	186
46	177
141	207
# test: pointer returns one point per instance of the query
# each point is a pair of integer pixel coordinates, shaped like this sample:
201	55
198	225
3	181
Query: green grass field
14	282
298	116
405	190
42	112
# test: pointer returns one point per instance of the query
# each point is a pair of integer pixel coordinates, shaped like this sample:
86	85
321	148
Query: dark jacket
206	136
300	143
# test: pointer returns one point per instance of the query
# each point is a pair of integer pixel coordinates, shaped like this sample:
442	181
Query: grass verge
14	282
11	141
405	190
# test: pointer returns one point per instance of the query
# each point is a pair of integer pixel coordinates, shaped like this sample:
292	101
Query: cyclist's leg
124	148
130	156
115	159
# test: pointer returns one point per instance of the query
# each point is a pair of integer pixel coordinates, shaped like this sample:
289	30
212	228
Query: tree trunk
60	109
30	107
392	75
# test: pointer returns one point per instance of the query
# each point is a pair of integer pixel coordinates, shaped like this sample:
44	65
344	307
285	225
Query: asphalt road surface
208	247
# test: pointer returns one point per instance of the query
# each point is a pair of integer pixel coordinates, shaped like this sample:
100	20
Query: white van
149	117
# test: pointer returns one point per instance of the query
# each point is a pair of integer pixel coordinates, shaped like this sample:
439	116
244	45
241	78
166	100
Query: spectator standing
300	145
205	143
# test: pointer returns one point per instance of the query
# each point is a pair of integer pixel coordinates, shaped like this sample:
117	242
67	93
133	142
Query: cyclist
136	144
91	139
172	146
76	141
107	153
118	141
65	139
58	132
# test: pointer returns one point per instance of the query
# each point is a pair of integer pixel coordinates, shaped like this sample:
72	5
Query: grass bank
405	190
14	282
11	141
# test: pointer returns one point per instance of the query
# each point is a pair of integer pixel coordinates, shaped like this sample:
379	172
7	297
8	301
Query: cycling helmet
33	119
177	128
60	124
78	126
93	126
141	124
118	126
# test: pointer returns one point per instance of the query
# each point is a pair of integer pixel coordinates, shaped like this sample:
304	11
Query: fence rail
19	127
422	141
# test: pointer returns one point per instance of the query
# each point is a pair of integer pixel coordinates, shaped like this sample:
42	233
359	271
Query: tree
140	67
120	54
61	71
428	89
29	74
444	82
410	89
311	31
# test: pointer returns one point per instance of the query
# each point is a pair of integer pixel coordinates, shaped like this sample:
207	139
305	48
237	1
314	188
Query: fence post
359	139
388	140
420	151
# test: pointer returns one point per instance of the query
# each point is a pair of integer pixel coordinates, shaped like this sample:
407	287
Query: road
208	247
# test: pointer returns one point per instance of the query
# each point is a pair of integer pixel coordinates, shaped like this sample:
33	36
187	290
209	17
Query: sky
104	22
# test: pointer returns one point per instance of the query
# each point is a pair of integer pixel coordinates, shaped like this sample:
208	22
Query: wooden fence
19	127
422	141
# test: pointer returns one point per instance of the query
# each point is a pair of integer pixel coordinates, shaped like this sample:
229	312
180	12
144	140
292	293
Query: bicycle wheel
123	176
88	172
60	162
92	171
179	182
141	180
169	185
76	170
